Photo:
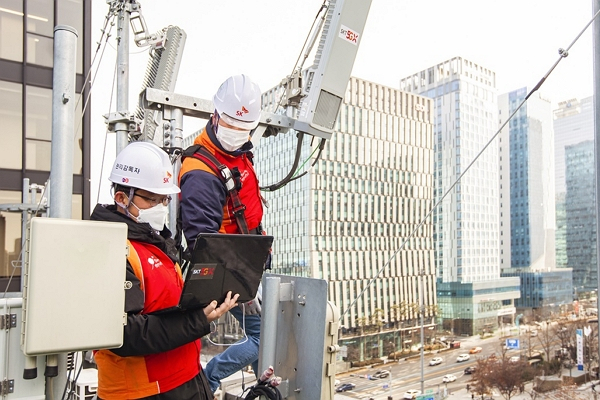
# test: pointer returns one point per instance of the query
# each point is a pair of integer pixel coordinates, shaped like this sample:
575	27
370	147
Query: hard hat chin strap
126	207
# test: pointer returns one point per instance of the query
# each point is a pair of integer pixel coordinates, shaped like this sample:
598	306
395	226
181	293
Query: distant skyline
518	40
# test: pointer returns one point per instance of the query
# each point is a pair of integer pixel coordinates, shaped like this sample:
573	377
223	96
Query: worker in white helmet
212	203
160	356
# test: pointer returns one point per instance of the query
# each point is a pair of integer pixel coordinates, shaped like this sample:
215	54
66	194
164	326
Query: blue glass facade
544	289
519	182
580	209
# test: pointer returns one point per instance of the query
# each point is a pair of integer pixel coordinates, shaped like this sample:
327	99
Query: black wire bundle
263	389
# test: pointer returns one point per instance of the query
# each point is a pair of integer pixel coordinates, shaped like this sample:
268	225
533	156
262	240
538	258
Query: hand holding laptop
213	312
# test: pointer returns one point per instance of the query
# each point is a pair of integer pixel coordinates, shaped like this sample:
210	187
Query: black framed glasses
164	200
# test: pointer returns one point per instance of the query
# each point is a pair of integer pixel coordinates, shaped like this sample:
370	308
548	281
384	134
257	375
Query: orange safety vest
249	194
142	376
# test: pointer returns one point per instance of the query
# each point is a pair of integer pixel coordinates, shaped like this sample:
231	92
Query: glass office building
358	216
466	222
580	211
527	219
573	123
527	211
549	289
26	60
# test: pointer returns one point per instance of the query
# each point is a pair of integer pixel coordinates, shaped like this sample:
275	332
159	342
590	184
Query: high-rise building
573	123
26	67
354	218
471	294
527	210
580	212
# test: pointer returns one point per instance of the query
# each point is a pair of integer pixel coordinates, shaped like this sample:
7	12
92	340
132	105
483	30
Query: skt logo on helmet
165	180
125	180
241	113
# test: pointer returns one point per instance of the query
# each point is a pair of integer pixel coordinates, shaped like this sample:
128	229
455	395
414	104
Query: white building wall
466	118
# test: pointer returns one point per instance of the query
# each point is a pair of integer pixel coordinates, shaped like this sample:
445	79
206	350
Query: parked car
533	333
475	350
470	370
435	361
336	382
345	387
411	394
384	373
462	357
448	378
514	359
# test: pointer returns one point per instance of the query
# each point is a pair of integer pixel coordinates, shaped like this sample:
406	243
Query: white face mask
156	216
232	139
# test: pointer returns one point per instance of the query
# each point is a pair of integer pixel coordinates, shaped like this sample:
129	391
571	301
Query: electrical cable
245	337
74	382
89	95
106	133
563	53
284	181
293	171
270	392
323	6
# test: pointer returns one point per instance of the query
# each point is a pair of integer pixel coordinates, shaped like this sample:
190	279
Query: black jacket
149	334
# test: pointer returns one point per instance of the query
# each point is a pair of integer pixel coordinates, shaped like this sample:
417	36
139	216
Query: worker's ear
121	199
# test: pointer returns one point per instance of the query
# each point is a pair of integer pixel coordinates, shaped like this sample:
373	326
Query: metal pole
422	309
175	141
63	121
268	324
121	128
596	44
61	166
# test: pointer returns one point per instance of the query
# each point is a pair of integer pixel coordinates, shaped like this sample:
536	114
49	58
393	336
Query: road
407	374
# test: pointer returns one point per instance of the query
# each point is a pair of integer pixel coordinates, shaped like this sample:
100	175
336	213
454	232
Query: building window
10	235
40	17
38	128
39	50
11	30
11	114
40	32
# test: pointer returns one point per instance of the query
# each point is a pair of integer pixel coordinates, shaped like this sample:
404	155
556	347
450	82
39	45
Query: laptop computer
222	263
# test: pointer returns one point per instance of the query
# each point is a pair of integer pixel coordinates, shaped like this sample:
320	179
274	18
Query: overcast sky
517	39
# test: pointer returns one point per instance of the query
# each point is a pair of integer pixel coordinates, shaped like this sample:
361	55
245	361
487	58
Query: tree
500	373
508	377
547	339
481	378
361	322
394	314
377	318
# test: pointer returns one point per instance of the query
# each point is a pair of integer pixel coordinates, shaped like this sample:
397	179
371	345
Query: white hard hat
144	165
238	102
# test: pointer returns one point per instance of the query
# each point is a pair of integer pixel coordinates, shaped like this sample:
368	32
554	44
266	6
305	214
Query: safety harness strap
231	180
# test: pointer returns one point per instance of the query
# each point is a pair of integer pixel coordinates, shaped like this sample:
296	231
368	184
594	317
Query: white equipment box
73	286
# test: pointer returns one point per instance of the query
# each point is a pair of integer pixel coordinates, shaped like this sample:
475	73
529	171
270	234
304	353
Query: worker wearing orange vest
160	356
220	193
